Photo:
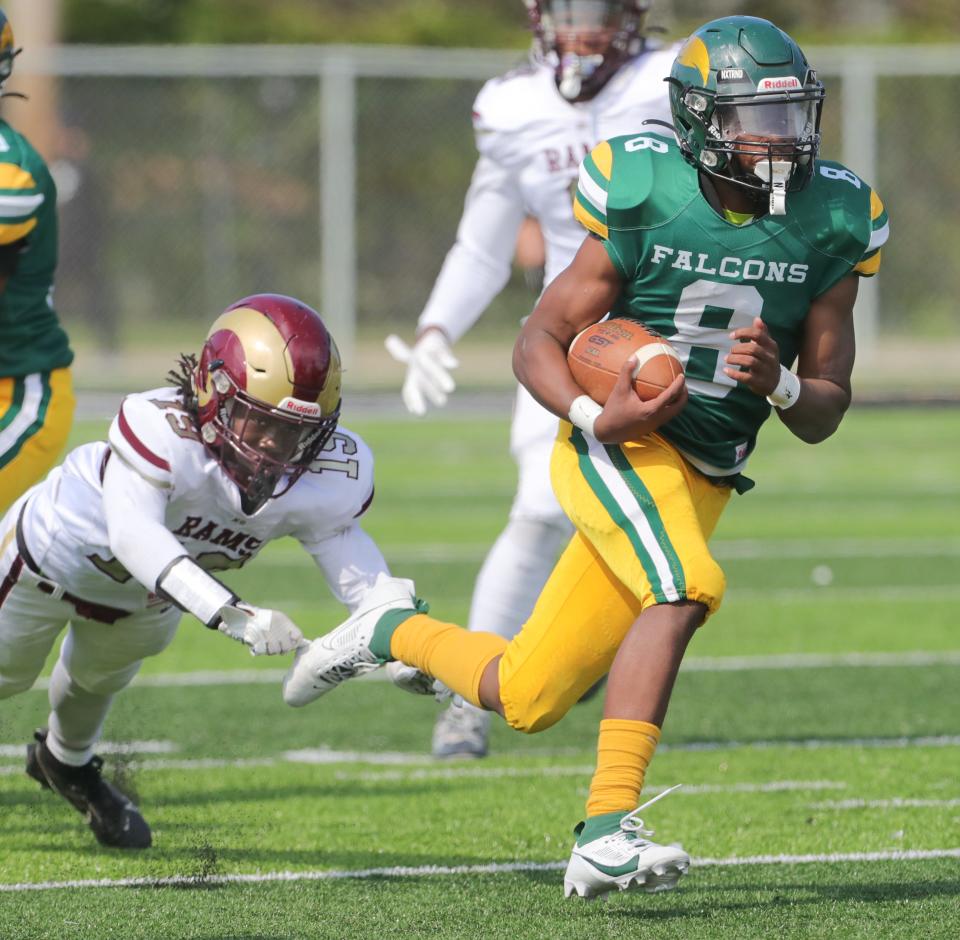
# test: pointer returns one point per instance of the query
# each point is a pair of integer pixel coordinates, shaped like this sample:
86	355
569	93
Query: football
597	355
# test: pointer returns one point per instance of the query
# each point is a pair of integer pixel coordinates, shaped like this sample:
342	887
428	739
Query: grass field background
815	728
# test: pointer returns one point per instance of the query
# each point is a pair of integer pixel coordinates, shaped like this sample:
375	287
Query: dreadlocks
183	378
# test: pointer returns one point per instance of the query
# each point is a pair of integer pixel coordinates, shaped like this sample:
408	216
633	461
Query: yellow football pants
643	517
36	412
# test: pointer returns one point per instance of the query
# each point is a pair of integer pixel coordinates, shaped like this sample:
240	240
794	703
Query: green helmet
746	106
7	50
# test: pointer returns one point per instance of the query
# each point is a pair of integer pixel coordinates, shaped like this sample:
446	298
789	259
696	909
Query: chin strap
778	198
570	81
777	174
573	70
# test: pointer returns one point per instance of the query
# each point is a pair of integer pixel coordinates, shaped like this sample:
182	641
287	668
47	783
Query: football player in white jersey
591	76
121	538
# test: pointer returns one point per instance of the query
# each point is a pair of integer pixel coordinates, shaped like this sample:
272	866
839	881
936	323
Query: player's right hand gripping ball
597	355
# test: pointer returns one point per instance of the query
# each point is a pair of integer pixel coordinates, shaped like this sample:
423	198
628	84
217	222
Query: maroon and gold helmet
268	393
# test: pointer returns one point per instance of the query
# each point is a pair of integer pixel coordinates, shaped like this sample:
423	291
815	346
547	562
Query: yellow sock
624	749
455	656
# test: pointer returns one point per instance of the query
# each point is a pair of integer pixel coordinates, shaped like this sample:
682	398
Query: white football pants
520	561
96	659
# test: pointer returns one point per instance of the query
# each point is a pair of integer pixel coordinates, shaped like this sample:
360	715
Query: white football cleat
623	859
345	652
461	731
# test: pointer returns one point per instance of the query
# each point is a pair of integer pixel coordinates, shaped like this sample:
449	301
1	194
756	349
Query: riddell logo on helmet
308	409
779	84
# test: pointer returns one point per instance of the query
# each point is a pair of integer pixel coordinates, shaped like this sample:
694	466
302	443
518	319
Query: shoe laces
632	825
349	669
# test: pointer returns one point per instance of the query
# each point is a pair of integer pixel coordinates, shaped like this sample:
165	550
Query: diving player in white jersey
119	540
591	76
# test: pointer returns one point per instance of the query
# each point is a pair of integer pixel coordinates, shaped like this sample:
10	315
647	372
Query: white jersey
531	142
65	522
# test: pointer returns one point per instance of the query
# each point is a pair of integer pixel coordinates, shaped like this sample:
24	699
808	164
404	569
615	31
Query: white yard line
220	677
927	593
759	549
723	549
896	802
324	755
819	661
328	756
867	594
106	747
941	740
572	770
435	871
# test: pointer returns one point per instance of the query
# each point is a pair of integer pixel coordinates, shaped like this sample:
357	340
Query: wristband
584	412
185	583
787	392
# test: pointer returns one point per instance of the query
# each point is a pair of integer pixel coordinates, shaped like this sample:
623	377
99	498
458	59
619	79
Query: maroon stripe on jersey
11	579
365	506
138	445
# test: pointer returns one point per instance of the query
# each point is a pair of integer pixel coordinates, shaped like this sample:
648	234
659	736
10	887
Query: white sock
514	572
76	719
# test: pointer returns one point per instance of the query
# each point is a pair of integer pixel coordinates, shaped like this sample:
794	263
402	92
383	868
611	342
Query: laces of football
632	824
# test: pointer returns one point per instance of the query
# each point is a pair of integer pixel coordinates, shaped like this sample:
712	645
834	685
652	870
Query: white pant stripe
634	512
29	411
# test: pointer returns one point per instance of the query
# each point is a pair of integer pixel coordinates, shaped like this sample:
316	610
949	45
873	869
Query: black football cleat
114	819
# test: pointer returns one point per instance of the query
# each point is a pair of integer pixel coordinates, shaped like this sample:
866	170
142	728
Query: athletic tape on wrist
584	412
185	583
787	392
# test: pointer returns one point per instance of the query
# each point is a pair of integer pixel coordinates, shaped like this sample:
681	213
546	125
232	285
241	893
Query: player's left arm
10	261
350	561
824	366
579	296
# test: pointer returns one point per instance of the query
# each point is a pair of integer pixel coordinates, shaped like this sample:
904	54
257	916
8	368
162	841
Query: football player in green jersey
36	394
731	238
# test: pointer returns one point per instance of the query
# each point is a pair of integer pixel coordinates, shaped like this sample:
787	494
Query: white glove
428	363
269	632
412	680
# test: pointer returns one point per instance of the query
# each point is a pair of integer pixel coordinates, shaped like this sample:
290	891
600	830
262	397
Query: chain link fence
192	176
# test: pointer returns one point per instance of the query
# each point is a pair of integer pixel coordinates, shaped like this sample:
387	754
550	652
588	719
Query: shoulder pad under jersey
148	431
633	182
843	217
24	184
511	104
642	80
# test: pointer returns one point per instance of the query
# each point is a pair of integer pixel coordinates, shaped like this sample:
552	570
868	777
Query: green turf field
816	730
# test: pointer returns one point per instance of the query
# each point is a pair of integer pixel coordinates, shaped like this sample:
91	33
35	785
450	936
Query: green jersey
694	276
31	338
